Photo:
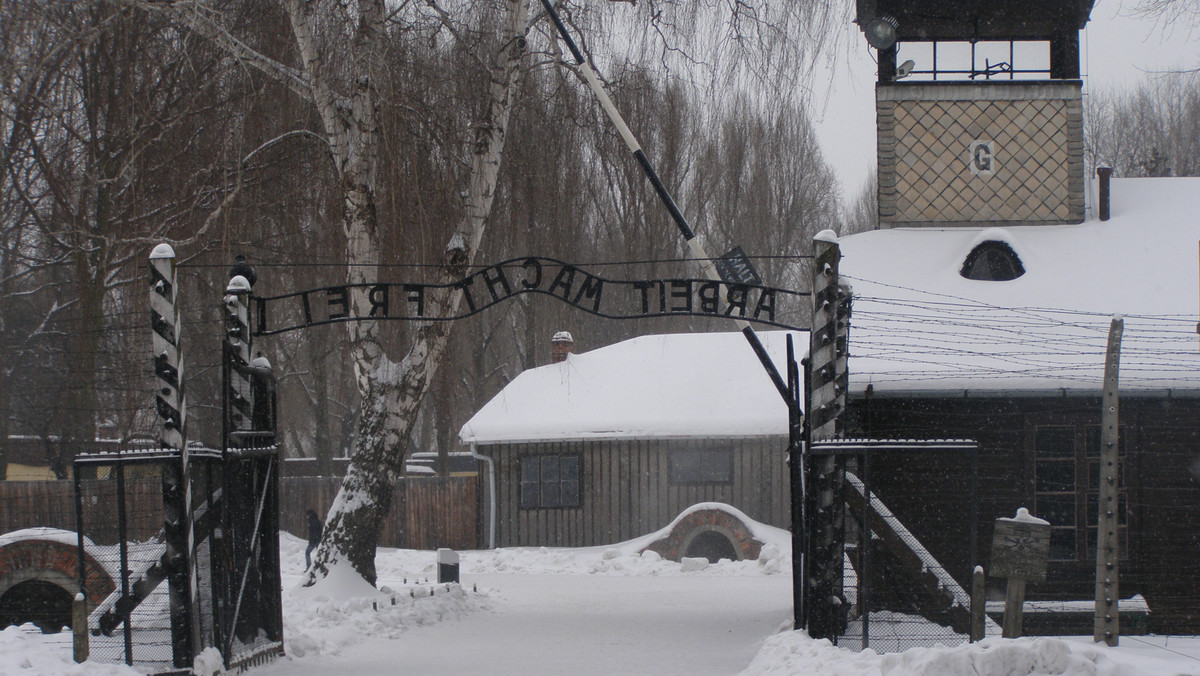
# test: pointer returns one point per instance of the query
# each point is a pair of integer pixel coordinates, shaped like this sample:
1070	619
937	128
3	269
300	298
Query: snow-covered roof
919	327
661	386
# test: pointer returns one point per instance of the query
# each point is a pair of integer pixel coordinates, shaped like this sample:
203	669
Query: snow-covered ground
602	610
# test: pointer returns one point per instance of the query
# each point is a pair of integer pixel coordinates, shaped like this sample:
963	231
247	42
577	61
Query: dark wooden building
614	443
996	331
983	301
1042	452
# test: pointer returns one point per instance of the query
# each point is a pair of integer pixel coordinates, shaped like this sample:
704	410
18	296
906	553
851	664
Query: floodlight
881	32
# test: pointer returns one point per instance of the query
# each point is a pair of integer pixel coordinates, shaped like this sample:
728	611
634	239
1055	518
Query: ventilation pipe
1105	174
491	494
561	345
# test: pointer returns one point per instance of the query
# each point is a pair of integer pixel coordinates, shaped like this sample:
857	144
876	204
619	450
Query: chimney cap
562	337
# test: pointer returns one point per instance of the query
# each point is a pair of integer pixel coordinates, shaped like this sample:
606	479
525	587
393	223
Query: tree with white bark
336	67
335	61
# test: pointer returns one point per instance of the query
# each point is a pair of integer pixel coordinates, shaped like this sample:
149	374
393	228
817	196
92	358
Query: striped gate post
171	406
168	367
239	396
238	405
253	605
825	475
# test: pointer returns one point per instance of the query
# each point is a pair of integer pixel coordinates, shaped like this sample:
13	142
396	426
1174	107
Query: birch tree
336	67
334	61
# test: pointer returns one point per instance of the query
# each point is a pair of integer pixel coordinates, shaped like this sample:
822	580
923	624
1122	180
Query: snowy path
605	611
575	624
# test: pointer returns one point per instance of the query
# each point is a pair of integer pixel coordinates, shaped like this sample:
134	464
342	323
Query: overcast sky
1116	50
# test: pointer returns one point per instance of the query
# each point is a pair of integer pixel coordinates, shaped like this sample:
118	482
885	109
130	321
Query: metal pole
974	542
806	506
79	615
694	245
79	529
864	578
123	536
796	484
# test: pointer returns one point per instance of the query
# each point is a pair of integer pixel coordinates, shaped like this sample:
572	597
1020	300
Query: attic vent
992	261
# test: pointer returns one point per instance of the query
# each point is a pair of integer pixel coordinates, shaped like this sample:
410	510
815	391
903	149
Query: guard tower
979	110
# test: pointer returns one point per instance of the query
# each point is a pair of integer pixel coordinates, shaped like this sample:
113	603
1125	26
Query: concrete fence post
79	627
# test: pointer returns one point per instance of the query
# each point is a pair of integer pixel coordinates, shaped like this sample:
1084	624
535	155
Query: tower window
992	261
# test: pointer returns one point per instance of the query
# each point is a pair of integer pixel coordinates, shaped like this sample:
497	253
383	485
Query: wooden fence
426	513
29	504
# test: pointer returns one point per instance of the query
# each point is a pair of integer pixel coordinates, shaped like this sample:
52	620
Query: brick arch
675	544
53	562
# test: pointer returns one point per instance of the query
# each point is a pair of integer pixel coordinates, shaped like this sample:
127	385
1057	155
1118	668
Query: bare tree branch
206	21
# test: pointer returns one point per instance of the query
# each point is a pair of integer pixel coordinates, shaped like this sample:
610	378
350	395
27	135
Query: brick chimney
561	345
1105	174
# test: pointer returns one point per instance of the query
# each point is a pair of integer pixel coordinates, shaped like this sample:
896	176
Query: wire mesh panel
121	516
897	593
119	506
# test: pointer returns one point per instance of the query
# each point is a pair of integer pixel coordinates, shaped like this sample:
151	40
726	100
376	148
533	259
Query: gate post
238	406
252	603
171	405
825	602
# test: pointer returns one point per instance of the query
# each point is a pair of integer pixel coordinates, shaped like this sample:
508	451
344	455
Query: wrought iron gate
204	521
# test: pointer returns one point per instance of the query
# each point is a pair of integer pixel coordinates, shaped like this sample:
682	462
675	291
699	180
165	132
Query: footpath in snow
605	610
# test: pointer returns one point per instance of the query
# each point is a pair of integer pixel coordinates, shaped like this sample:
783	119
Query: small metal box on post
447	565
1020	548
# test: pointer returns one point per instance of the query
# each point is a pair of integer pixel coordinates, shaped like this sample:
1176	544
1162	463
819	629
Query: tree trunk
391	392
